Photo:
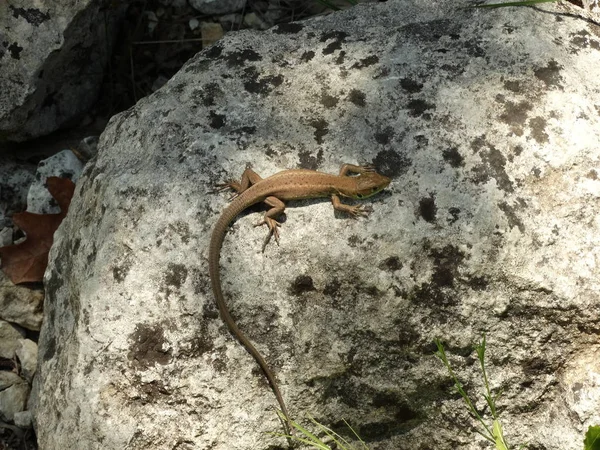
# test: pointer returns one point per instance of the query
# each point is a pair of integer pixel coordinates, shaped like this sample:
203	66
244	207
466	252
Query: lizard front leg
355	211
277	208
351	168
249	177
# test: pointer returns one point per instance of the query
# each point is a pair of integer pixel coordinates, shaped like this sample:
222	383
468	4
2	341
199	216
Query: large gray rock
489	127
52	59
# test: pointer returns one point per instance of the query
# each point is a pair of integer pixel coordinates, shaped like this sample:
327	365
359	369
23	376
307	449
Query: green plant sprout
307	437
592	439
522	3
494	434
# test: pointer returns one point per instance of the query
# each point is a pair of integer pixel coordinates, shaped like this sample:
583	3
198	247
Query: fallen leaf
26	261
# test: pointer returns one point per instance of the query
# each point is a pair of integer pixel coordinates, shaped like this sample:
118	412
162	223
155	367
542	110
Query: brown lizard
274	190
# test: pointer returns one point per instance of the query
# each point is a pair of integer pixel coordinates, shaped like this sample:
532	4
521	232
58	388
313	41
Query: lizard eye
359	196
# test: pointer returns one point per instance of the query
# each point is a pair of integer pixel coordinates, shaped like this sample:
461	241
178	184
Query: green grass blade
499	436
302	430
356	435
333	435
592	439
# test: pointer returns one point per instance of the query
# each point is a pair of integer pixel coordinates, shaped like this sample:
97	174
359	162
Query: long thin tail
216	243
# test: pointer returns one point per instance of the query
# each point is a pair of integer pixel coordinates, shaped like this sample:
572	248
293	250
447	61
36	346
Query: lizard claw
273	230
369	168
358	211
229	184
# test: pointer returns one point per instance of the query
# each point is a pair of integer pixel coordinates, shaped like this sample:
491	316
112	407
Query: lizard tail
216	242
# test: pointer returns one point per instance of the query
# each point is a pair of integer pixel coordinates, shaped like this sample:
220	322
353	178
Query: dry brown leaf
26	261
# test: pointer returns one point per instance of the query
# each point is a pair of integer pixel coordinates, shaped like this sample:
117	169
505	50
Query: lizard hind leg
277	207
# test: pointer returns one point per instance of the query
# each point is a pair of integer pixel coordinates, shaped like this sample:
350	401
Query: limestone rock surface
488	121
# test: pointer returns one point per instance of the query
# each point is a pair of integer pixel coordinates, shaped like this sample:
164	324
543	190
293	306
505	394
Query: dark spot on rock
176	275
454	215
288	28
357	97
592	174
153	391
478	283
310	162
262	86
307	56
427	209
511	216
340	60
418	107
119	274
410	85
536	366
338	39
515	114
302	284
49	348
391	264
513	86
148	346
240	57
321	129
474	49
538	130
216	120
33	16
446	263
391	163
354	241
583	39
15	51
329	101
245	130
214	51
366	62
384	136
493	165
453	157
332	288
550	74
421	140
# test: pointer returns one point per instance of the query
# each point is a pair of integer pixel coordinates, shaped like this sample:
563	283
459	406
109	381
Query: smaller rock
231	21
211	33
9	339
251	20
13	395
65	165
193	24
15	179
6	235
27	352
23	419
20	305
87	148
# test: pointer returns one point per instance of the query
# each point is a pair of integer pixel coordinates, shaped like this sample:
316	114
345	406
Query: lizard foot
358	211
273	230
229	185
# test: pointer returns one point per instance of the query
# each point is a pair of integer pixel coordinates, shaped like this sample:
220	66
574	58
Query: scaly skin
285	185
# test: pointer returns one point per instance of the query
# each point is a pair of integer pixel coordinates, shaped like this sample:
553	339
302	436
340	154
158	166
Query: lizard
353	181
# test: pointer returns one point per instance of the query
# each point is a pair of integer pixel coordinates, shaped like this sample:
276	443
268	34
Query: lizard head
368	184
